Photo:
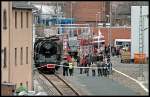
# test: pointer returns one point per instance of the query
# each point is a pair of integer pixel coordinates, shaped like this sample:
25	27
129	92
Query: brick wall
86	10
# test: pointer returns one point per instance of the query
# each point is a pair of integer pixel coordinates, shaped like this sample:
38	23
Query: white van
123	43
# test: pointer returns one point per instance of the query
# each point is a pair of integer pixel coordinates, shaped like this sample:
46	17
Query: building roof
21	5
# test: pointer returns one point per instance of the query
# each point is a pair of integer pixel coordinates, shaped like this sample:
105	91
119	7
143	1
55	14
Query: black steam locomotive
47	54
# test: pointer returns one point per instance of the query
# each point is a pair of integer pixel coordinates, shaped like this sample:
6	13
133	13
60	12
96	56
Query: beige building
16	48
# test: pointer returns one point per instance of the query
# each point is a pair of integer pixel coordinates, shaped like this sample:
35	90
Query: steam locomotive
47	54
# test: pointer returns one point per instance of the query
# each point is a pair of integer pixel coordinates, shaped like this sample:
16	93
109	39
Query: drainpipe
9	3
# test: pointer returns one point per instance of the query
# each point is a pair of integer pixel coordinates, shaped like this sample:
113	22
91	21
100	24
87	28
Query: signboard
73	43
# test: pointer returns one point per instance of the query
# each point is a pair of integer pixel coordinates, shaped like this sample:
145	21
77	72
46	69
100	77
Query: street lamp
99	33
99	13
72	2
110	27
107	18
72	15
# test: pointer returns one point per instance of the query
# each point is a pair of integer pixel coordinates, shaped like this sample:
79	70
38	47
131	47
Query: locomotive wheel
53	71
121	61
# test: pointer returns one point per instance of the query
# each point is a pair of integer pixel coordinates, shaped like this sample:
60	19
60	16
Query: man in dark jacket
65	67
99	69
109	67
104	66
78	61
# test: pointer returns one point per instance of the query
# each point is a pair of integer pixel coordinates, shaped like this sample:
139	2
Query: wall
21	37
86	10
16	38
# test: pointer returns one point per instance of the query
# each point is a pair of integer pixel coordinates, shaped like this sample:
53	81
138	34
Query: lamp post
99	18
72	15
99	34
110	28
99	13
108	25
96	20
71	12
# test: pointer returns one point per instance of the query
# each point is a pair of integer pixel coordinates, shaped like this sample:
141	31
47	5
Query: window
118	43
21	56
21	20
27	18
26	55
15	56
15	19
5	57
4	20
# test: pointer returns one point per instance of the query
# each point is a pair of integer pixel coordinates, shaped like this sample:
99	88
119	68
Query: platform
94	85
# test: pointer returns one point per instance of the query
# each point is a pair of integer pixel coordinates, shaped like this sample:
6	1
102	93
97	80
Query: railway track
60	85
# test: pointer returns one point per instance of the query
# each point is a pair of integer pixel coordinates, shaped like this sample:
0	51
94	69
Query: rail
60	82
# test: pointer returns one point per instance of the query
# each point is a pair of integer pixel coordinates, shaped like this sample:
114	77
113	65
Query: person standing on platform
78	60
88	64
82	64
109	67
65	67
73	63
99	68
87	69
93	69
68	58
85	64
70	68
105	68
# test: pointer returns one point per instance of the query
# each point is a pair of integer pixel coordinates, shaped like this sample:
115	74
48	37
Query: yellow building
16	47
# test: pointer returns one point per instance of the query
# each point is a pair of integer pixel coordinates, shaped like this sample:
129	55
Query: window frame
16	19
27	49
21	56
27	19
4	19
5	58
16	56
21	19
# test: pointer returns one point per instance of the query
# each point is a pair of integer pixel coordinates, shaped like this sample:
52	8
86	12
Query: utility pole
141	39
110	28
57	12
96	21
99	13
71	12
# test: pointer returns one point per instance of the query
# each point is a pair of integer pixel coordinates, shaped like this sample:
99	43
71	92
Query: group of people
68	65
99	62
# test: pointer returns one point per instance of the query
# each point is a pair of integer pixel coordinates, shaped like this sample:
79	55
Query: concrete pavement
94	85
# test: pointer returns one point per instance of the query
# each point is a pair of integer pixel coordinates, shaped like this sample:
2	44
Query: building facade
85	11
16	65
